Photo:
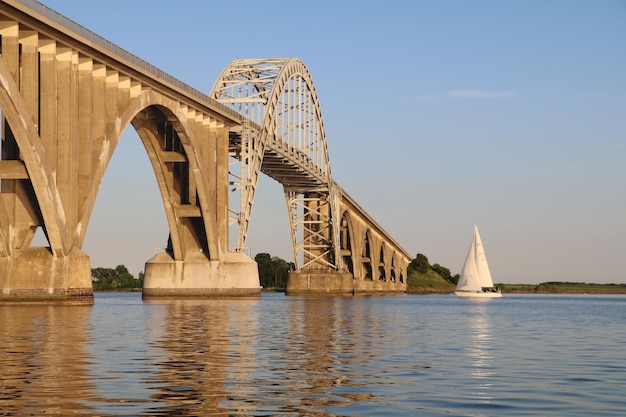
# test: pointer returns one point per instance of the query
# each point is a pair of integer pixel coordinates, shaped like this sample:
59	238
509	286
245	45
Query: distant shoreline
543	288
565	288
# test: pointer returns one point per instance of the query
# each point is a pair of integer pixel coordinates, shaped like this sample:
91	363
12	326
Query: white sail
475	275
481	261
469	279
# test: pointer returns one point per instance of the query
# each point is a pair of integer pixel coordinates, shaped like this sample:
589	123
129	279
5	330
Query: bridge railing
85	33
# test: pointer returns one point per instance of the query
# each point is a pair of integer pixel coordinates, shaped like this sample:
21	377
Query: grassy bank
428	283
564	288
434	284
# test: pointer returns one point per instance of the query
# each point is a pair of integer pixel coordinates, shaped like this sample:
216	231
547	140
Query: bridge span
66	96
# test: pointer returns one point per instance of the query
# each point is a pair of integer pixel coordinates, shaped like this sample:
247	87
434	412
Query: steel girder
285	139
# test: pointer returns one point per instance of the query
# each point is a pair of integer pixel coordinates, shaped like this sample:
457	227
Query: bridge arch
170	147
347	243
168	141
144	112
382	269
367	271
396	272
279	96
304	128
64	104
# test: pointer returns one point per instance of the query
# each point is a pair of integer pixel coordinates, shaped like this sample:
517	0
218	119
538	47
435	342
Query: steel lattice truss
284	139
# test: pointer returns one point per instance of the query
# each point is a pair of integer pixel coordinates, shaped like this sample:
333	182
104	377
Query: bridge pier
35	275
235	276
319	282
330	282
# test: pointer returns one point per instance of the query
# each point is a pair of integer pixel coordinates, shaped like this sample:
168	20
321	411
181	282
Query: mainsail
475	274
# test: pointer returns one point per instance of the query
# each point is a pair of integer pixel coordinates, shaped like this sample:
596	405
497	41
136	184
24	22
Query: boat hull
478	294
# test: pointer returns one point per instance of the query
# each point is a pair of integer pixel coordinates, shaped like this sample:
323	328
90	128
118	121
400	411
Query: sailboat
475	280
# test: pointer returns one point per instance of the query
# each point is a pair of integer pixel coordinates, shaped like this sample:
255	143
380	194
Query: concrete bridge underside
66	96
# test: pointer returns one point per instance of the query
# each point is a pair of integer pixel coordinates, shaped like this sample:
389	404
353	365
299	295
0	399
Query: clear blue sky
439	114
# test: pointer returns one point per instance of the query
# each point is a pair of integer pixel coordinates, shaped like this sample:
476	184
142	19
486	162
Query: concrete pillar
197	277
35	275
319	282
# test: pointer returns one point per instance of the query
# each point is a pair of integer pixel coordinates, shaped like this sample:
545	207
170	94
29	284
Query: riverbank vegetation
564	288
273	271
118	279
422	278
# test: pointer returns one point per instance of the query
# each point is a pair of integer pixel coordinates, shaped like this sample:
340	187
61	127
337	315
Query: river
400	355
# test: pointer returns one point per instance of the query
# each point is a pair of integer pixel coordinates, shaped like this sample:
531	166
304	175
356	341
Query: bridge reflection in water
314	356
186	357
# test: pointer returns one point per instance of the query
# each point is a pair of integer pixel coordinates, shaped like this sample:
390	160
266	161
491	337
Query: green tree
106	279
273	271
445	274
436	278
264	263
441	270
420	264
281	272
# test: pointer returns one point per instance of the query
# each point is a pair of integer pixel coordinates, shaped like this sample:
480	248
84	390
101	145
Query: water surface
522	355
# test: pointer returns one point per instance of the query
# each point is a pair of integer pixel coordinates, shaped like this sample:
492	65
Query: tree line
107	279
273	272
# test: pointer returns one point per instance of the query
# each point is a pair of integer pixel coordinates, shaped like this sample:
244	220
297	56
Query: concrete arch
140	114
382	264
397	268
149	132
41	177
367	271
347	244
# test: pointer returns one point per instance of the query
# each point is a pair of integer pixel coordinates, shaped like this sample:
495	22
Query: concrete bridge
66	96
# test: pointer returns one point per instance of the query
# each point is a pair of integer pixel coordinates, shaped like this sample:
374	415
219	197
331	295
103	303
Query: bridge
66	96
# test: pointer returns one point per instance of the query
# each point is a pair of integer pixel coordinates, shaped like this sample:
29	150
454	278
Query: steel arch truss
285	139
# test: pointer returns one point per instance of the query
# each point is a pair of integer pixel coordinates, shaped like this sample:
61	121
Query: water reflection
220	360
374	356
42	359
321	349
278	356
207	344
298	359
481	338
479	350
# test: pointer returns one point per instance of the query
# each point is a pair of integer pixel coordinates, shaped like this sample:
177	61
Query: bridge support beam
236	276
35	275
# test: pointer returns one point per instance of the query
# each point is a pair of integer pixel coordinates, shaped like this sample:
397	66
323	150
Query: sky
439	114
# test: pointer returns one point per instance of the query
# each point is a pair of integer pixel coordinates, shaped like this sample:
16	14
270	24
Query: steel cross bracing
284	138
